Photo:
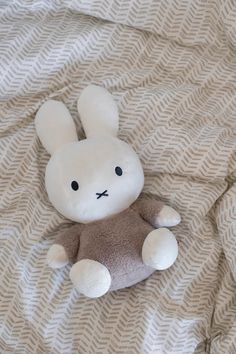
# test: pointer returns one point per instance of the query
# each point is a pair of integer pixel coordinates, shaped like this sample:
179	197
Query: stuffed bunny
117	241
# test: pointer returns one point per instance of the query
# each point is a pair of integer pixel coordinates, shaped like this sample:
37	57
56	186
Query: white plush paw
57	257
160	249
90	278
168	217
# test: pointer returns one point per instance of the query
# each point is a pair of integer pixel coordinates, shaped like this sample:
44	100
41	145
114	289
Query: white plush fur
92	164
98	112
83	183
57	257
160	249
168	217
90	278
55	126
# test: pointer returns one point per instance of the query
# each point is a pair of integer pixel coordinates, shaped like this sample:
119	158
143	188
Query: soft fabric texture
57	256
94	182
160	249
157	214
171	68
115	242
55	126
91	278
91	163
98	112
81	177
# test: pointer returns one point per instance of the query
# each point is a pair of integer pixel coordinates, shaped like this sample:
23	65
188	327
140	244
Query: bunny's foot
90	278
160	249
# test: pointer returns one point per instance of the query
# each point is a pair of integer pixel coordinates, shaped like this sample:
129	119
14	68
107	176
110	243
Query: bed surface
171	66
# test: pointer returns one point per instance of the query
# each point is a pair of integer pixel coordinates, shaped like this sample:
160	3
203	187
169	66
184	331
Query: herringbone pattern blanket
171	66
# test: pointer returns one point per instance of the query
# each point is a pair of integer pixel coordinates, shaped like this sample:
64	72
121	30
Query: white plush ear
54	125
98	112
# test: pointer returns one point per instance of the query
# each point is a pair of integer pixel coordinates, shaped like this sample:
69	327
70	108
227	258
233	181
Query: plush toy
116	241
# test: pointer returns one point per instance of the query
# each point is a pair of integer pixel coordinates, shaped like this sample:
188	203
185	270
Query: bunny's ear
54	125
98	112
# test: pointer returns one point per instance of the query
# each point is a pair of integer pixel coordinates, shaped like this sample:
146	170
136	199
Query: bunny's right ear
98	112
54	125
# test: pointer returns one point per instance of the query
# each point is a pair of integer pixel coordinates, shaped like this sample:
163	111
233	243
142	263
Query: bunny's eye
118	171
74	185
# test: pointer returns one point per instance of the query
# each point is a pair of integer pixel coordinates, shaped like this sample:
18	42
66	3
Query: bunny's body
96	182
118	241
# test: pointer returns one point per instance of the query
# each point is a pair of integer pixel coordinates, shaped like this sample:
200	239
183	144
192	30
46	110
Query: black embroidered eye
74	185
118	171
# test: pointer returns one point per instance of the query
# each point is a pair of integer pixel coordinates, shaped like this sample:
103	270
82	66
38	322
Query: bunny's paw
57	256
168	217
90	278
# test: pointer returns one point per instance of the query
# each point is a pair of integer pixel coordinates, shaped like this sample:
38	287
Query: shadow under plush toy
95	182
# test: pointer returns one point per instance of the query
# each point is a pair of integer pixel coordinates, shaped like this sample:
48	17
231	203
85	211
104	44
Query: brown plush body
115	242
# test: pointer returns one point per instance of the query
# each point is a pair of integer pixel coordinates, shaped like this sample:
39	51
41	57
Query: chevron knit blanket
171	66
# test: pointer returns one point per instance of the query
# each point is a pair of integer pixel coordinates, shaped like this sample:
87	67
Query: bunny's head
91	179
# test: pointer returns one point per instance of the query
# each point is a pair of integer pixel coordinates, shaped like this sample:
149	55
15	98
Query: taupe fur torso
117	243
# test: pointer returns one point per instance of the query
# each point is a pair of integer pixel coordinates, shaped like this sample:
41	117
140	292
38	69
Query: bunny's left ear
55	126
98	112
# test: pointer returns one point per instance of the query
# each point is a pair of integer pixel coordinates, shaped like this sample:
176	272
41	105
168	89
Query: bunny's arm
65	247
157	214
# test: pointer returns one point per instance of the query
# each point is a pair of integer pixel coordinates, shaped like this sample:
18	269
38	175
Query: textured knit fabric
171	67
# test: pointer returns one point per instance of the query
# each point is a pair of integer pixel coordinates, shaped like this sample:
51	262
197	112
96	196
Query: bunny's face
94	178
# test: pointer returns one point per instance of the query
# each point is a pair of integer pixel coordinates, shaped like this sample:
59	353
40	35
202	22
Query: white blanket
171	66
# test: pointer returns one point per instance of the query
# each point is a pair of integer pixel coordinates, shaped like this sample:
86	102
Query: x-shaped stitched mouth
103	194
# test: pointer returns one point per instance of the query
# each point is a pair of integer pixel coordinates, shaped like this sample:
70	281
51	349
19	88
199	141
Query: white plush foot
57	257
90	278
168	217
160	249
